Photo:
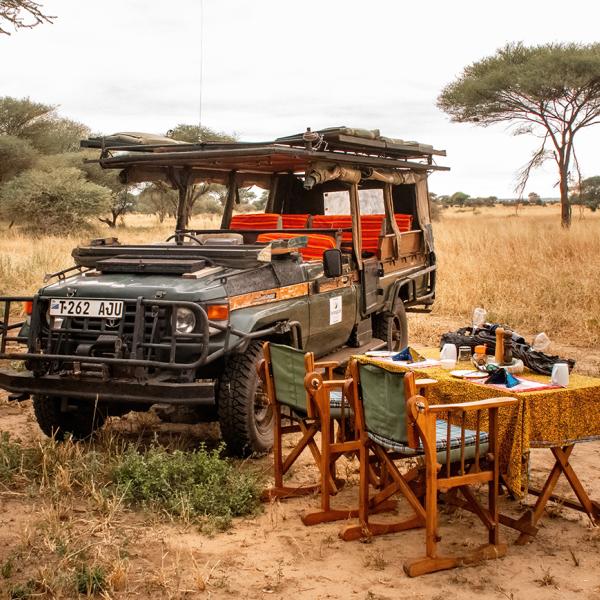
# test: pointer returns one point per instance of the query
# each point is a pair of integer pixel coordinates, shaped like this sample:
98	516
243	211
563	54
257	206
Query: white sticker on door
335	310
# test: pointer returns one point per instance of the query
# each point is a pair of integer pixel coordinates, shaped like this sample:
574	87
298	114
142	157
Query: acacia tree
39	123
551	91
21	14
589	193
196	134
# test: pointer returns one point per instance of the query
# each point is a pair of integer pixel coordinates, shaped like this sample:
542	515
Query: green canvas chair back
288	370
384	403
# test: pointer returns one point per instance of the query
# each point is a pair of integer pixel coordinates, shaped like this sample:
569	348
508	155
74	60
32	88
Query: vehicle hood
202	288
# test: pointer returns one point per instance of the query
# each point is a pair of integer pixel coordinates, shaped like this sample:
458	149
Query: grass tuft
90	581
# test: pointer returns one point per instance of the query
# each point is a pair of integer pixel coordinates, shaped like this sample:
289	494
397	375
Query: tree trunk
183	215
565	206
112	223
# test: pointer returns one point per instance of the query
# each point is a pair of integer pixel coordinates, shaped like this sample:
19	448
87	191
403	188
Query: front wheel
245	416
392	327
79	421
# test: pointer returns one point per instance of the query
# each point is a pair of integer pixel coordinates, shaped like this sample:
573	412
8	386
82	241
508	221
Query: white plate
468	374
380	353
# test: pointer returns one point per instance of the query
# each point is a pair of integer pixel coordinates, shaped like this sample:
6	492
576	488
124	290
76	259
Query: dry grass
24	260
525	270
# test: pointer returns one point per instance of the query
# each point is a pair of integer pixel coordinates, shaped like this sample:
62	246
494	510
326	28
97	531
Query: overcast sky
274	67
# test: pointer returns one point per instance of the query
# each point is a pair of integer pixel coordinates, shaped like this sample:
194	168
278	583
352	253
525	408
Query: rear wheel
392	327
245	416
79	421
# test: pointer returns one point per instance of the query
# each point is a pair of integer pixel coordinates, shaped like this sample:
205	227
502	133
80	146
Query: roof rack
359	148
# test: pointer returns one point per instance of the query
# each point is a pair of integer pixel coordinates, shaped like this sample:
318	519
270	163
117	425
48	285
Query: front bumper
116	390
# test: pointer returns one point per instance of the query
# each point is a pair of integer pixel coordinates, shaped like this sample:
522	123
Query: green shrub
186	484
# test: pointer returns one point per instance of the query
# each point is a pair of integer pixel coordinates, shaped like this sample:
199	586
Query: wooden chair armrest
327	364
425	382
335	383
471	406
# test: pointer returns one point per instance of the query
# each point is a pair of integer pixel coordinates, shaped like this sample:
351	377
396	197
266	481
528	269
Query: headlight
53	322
185	320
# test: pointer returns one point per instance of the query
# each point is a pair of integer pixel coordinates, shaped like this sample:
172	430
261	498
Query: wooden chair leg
277	450
281	466
380	502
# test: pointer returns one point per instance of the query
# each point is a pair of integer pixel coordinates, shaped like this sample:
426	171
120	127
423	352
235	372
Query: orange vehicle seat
334	222
317	244
294	221
256	221
404	222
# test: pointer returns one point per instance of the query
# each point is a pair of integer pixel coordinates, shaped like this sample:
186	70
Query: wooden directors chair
310	404
393	422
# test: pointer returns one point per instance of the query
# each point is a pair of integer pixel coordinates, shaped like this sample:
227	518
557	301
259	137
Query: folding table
556	419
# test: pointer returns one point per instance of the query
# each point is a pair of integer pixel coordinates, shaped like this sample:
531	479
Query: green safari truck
343	250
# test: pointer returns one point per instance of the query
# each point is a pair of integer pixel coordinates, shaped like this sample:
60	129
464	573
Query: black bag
538	362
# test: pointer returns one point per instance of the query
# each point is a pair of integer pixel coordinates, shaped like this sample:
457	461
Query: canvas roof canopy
365	151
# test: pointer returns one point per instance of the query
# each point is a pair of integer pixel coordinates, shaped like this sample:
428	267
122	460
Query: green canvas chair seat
384	405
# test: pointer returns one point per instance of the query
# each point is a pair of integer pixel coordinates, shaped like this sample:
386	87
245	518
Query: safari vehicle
342	251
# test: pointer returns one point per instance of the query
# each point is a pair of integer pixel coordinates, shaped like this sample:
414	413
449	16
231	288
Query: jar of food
479	355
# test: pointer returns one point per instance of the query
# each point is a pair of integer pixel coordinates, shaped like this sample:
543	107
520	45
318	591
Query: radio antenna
201	69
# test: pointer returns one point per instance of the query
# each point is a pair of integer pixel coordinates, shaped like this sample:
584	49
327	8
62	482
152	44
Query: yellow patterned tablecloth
541	419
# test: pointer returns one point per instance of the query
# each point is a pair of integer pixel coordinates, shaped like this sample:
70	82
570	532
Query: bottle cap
480	349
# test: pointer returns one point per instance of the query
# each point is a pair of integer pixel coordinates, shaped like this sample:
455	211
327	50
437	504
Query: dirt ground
274	556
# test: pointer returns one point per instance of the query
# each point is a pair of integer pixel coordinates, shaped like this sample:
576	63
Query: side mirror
332	262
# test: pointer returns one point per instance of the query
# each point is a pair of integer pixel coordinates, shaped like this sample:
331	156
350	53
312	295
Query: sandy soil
274	556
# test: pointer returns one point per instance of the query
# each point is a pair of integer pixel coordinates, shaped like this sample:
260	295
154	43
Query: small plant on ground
188	485
90	580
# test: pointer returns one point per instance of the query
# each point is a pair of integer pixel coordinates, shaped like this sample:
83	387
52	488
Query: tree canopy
589	193
59	202
551	91
40	124
16	155
21	14
196	133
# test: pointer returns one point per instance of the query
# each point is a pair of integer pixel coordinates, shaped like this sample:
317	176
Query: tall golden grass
525	270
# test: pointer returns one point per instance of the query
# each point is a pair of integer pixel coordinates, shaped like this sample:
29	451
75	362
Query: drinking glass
464	354
448	352
540	342
479	315
560	374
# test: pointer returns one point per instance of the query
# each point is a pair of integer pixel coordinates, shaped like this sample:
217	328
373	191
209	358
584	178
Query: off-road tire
79	423
392	327
244	430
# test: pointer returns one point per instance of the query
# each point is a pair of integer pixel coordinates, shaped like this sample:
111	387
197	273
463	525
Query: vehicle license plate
71	307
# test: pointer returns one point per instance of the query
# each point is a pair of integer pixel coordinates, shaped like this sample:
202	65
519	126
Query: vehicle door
332	309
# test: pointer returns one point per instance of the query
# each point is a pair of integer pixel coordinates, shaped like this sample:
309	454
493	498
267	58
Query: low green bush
186	484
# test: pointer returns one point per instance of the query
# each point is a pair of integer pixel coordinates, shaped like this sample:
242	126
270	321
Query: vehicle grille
78	331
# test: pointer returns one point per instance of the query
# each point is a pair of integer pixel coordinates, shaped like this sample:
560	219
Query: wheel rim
395	334
263	413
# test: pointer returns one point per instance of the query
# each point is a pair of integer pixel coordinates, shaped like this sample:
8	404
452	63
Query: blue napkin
403	355
502	377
